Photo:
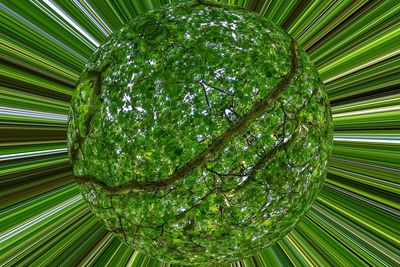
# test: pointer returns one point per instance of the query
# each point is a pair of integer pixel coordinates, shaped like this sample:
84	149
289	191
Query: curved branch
95	78
271	153
215	147
261	163
182	215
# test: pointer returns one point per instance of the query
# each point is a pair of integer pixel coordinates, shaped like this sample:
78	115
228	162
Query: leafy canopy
199	134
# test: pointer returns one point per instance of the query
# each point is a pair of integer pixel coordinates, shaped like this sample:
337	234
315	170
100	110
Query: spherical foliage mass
199	133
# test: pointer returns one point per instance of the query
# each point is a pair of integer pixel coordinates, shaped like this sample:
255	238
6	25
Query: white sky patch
60	12
127	98
187	35
140	109
234	36
126	108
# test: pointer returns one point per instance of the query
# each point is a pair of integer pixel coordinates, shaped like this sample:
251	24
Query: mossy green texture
152	137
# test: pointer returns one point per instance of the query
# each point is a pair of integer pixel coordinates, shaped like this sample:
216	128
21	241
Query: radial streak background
45	44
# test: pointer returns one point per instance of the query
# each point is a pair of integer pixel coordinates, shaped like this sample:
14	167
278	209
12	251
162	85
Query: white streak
367	140
32	114
106	30
31	222
55	8
366	111
32	154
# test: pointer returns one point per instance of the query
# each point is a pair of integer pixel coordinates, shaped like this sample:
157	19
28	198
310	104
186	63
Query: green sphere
199	133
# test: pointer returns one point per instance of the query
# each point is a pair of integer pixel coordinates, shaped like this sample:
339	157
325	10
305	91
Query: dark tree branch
225	174
182	215
205	95
215	147
281	145
95	78
262	161
204	84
